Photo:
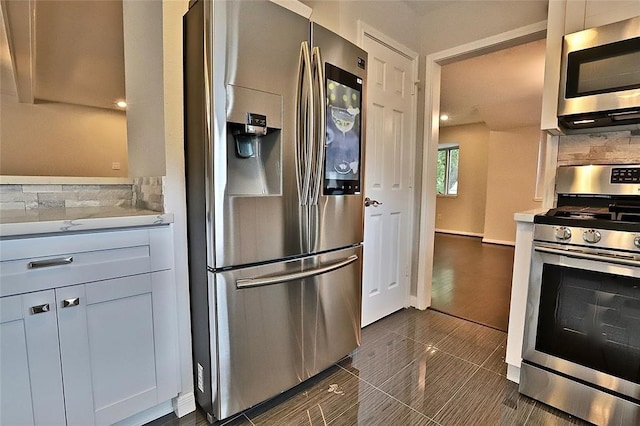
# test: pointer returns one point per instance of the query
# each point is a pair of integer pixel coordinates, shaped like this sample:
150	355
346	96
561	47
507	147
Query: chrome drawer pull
50	262
39	309
71	302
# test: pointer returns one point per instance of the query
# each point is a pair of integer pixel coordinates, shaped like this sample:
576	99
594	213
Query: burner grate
582	213
628	217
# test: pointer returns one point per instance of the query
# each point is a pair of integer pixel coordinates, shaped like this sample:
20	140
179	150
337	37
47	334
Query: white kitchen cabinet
30	373
582	14
603	12
519	291
103	350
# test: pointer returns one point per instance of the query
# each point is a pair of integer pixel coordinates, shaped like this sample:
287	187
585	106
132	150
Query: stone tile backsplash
148	193
599	148
144	193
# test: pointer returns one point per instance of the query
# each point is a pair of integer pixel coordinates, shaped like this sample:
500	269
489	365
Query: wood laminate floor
472	280
412	368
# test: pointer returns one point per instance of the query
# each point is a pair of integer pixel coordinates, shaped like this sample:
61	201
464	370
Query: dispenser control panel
256	124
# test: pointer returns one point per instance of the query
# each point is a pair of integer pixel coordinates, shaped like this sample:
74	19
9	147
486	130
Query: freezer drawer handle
275	279
50	262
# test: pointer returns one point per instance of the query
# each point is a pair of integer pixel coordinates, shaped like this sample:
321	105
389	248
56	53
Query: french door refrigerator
274	129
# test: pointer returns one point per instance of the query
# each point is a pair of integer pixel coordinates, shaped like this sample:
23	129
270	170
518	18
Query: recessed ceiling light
121	104
444	117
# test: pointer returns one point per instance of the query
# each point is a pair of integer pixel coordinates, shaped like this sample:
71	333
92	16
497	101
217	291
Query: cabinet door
31	385
108	351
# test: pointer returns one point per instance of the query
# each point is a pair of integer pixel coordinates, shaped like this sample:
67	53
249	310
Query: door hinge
416	87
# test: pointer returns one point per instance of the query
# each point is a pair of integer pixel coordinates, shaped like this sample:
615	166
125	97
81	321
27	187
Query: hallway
472	280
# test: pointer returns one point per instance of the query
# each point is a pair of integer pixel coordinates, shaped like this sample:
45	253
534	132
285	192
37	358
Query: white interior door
390	149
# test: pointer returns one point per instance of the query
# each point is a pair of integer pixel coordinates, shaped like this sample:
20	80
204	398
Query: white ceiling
424	7
502	88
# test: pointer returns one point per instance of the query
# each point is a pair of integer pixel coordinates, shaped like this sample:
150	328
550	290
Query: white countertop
53	220
527	215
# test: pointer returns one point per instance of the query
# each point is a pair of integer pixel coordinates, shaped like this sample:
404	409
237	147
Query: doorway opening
476	227
488	147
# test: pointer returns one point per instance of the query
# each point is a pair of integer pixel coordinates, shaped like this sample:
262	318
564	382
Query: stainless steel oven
600	79
581	349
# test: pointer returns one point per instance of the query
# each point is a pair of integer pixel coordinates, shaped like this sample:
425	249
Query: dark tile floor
472	280
412	368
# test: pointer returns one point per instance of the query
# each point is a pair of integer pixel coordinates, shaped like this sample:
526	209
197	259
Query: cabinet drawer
39	263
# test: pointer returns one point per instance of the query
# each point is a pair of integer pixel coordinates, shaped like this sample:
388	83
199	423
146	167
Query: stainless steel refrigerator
274	129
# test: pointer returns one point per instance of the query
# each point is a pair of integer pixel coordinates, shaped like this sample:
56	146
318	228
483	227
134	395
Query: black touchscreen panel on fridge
344	134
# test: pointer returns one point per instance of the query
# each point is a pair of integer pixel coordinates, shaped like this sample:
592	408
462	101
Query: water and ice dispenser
254	143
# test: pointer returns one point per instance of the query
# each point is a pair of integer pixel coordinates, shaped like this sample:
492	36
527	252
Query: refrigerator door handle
320	136
303	126
276	279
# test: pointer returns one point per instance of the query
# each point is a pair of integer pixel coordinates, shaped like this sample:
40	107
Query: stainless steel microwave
600	81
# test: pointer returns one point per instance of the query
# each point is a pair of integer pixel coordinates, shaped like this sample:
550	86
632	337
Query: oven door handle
586	255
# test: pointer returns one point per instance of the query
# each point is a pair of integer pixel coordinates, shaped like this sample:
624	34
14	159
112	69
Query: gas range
581	349
598	207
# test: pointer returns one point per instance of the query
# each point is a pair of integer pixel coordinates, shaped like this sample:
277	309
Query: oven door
583	317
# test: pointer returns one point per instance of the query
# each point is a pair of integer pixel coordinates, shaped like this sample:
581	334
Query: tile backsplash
148	193
599	148
145	193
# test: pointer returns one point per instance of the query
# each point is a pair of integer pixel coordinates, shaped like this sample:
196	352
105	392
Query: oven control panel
573	237
625	175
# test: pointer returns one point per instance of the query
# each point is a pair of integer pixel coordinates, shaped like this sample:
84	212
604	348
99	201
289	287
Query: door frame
365	30
434	63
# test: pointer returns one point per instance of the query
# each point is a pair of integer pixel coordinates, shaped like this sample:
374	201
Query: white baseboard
464	233
147	416
184	404
476	234
513	373
500	242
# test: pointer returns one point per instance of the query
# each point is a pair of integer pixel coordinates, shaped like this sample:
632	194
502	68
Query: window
447	180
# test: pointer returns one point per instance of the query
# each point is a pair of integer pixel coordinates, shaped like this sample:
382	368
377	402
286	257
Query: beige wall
511	181
465	213
52	139
462	22
143	61
393	18
497	179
